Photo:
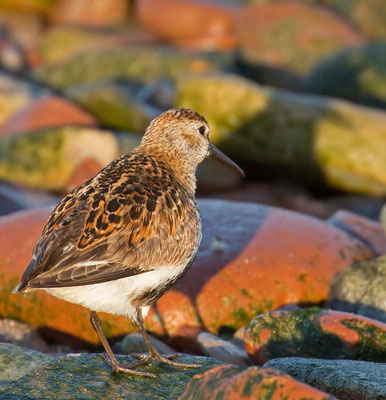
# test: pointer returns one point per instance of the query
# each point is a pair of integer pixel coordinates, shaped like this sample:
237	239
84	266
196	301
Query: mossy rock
142	64
87	376
48	159
16	361
282	133
315	333
361	288
357	74
113	104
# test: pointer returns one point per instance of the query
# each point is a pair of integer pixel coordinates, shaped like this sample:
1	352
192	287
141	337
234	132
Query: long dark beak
215	153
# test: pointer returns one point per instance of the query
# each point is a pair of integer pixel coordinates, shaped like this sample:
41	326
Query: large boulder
252	259
346	379
356	74
56	159
284	133
230	382
315	333
361	288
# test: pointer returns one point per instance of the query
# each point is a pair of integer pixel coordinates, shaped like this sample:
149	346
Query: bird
123	238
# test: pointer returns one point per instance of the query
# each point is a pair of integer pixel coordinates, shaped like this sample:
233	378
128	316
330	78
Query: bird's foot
115	367
167	359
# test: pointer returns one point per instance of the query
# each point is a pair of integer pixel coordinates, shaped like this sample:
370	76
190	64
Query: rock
134	343
46	112
222	350
142	64
292	35
61	42
113	104
295	334
16	361
14	198
364	229
347	379
231	382
368	15
28	5
361	288
81	376
252	259
21	334
205	25
356	74
285	134
89	12
48	159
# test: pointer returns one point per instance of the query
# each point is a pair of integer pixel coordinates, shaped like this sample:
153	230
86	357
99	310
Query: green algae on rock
113	104
356	74
231	382
142	64
361	288
287	133
16	361
346	379
86	376
315	333
48	159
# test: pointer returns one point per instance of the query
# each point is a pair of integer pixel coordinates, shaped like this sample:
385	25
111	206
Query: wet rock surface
361	288
345	379
80	376
315	333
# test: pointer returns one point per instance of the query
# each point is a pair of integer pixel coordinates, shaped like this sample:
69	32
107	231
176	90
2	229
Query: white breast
114	296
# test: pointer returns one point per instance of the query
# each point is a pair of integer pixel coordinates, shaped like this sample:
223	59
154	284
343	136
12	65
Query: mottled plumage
123	238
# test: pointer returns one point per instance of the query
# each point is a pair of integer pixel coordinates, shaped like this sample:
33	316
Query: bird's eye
201	129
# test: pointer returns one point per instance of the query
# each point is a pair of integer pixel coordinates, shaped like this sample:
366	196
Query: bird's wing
107	232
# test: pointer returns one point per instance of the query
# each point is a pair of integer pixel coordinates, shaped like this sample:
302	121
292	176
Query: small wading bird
122	239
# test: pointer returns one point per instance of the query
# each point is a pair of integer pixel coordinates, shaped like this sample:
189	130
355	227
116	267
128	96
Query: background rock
49	159
230	382
356	74
291	35
315	333
134	343
346	379
284	134
361	288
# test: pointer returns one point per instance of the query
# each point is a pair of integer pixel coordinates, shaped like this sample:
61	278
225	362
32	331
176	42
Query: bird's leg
112	360
153	353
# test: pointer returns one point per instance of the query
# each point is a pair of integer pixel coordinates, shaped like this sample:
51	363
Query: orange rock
188	23
89	12
315	333
292	35
228	382
46	112
253	258
370	232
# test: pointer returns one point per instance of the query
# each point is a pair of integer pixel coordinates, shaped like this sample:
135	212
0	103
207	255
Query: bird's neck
183	171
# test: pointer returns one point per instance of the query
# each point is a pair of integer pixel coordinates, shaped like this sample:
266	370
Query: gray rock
17	361
346	379
383	217
134	343
21	334
222	350
87	376
361	288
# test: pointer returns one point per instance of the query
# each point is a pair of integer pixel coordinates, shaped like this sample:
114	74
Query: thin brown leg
153	353
113	362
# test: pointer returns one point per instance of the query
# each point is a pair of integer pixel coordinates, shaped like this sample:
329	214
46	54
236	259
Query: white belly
114	296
